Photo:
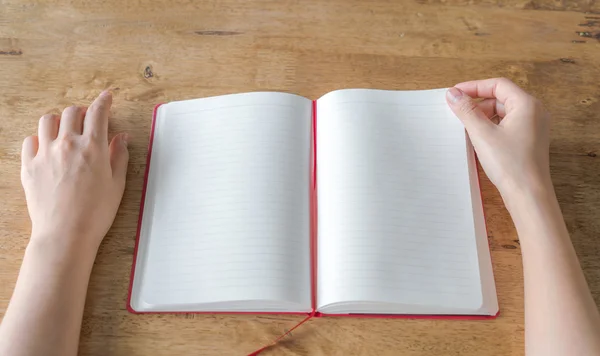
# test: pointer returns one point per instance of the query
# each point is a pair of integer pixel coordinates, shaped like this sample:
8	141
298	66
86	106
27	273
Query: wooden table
52	55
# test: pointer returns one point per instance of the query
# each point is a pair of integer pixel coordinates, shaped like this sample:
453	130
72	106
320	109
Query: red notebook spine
313	215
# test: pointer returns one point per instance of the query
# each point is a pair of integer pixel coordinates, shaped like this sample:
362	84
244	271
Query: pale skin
74	180
561	317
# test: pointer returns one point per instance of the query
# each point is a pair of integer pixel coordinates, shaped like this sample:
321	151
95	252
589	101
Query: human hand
73	179
513	153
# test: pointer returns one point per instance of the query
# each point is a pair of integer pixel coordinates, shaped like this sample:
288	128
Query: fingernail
125	139
454	94
106	93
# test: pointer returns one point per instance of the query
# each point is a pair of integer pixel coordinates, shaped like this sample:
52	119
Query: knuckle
86	155
66	143
70	147
93	137
505	83
64	155
87	143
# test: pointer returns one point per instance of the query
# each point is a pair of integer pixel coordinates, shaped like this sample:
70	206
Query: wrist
57	249
534	210
517	195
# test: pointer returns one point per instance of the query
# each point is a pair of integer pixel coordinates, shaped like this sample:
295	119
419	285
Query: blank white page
401	226
226	218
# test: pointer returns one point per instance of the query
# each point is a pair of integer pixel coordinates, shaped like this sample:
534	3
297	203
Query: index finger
501	89
95	123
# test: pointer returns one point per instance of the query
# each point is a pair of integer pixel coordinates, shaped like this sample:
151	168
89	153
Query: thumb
467	111
119	156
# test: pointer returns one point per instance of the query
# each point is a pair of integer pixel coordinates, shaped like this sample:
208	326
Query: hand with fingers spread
73	178
513	153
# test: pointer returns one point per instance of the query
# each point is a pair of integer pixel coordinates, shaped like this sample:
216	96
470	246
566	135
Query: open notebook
361	202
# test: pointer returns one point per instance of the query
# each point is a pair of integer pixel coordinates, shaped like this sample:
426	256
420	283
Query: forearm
45	312
561	317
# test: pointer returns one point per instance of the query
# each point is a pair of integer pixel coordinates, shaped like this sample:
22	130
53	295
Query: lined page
226	220
396	219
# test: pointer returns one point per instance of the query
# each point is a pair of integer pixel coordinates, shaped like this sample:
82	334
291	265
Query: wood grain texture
54	53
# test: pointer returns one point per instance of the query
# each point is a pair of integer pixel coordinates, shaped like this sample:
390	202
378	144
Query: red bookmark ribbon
274	342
